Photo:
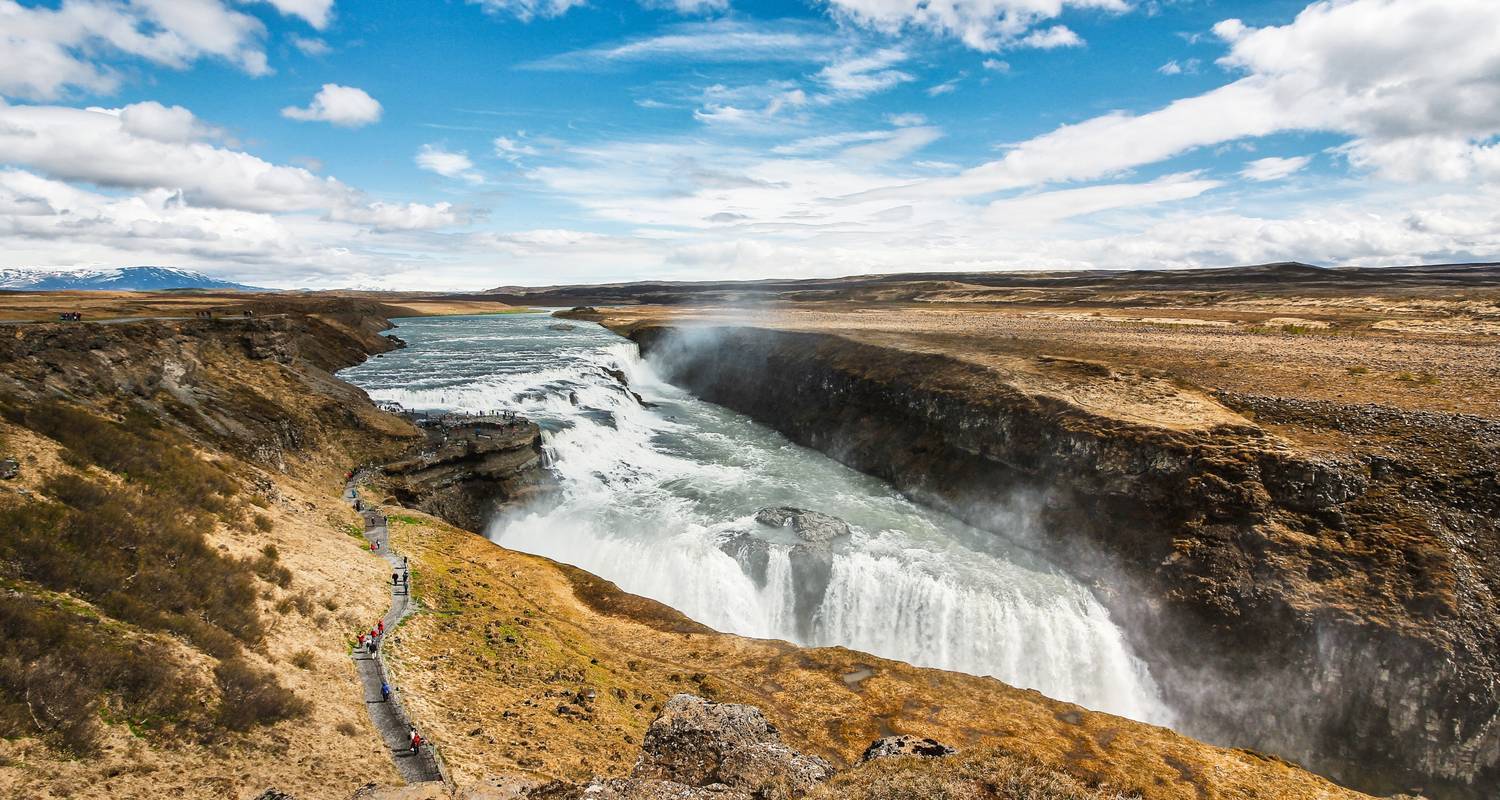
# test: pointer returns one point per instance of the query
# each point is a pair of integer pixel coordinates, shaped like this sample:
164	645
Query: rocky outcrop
464	473
1306	593
898	746
699	743
812	526
695	750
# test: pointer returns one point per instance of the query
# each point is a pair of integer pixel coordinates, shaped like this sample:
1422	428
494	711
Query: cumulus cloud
986	25
345	106
165	152
1416	84
46	52
448	164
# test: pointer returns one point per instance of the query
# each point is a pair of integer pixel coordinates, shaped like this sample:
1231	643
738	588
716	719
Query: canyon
1308	570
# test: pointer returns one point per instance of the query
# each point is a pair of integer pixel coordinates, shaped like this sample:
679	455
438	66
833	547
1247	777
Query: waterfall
651	496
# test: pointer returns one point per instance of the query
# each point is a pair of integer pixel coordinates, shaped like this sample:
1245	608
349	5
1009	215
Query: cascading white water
650	495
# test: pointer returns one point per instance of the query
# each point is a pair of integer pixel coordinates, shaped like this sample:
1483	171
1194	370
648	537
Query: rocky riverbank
1322	607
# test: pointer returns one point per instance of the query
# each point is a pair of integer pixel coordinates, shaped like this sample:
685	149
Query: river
651	491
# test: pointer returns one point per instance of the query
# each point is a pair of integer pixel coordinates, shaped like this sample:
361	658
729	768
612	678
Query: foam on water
649	494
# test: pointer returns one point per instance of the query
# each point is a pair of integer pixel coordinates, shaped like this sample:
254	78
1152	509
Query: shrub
346	728
60	672
1358	370
250	697
264	524
302	659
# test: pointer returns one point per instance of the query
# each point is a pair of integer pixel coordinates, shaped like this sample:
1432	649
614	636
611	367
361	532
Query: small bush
268	570
250	697
264	524
346	728
1422	378
302	659
1358	370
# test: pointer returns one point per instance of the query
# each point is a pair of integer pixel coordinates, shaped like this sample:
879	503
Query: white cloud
163	152
153	120
866	74
688	6
512	149
1051	38
1416	85
986	25
906	120
311	46
527	10
996	65
896	145
946	87
1274	168
1174	67
345	106
1028	211
449	164
316	12
46	51
721	40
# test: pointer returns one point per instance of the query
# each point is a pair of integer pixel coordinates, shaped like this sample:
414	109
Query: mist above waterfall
651	494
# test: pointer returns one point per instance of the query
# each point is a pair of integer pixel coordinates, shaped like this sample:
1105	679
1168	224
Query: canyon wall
1331	610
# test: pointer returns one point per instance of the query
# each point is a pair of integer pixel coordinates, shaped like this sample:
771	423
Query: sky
469	144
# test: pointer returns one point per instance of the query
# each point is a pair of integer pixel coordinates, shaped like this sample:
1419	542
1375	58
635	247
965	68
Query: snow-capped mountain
119	279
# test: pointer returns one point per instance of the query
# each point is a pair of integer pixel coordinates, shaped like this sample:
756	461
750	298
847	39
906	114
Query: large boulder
812	526
699	743
895	746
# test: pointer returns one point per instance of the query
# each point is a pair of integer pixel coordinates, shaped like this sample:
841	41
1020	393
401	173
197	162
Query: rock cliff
464	472
1286	601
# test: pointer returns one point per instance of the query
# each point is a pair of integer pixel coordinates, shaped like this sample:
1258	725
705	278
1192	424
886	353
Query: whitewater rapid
650	492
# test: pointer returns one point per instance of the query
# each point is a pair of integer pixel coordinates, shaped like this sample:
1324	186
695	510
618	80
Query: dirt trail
387	714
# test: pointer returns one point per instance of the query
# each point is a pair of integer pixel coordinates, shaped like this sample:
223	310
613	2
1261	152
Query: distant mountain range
117	279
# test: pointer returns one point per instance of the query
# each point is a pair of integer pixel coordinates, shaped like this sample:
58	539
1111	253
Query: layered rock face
464	473
1297	604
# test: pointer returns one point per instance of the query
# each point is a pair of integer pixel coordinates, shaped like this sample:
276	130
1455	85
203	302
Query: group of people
370	641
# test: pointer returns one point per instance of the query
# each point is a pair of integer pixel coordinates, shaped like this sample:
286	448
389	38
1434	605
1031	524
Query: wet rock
562	326
812	526
752	553
699	743
894	746
9	469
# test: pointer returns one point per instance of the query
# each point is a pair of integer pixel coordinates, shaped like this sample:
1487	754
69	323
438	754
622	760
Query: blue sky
470	144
